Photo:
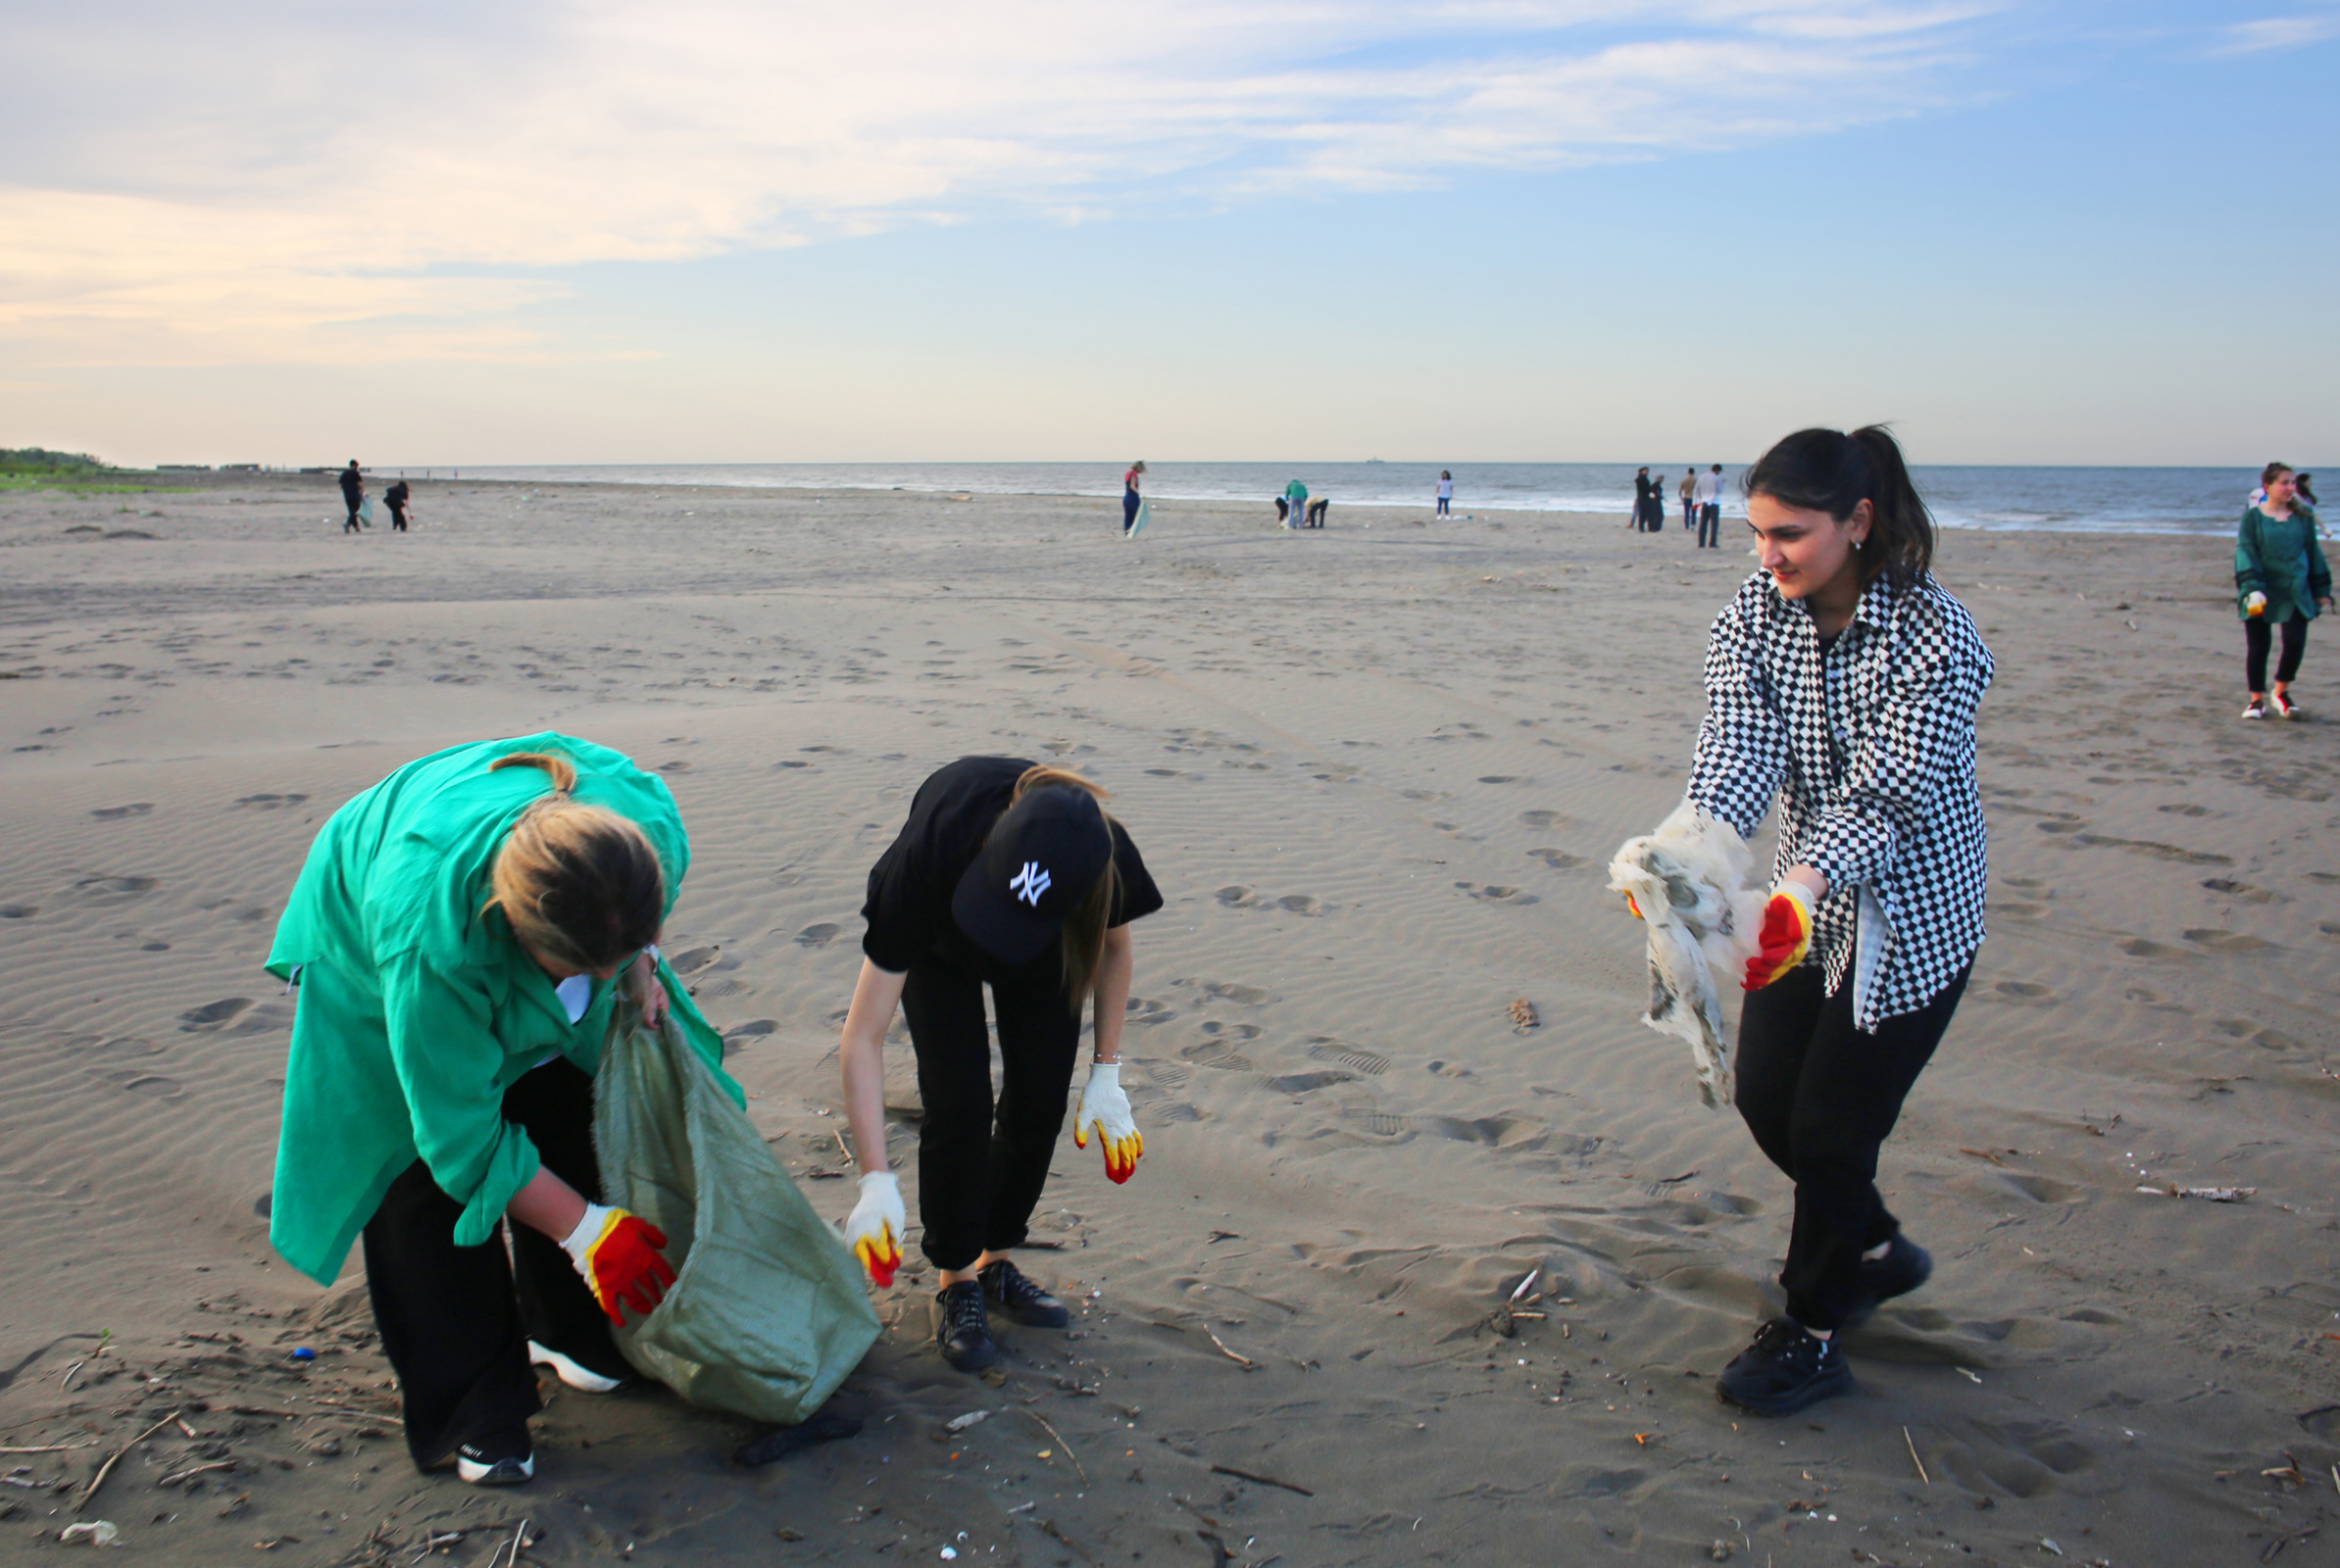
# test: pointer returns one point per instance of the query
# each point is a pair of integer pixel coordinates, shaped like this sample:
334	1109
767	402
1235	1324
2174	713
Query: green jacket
2283	560
417	1009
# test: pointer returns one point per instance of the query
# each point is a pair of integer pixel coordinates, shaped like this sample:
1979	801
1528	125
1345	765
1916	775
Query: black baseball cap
1042	858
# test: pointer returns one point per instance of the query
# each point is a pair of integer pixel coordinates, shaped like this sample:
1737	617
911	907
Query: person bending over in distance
1842	681
458	934
1009	875
2281	579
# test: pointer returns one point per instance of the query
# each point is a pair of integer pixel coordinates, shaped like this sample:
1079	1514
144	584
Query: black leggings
454	1321
1128	508
2255	638
1820	1097
981	1175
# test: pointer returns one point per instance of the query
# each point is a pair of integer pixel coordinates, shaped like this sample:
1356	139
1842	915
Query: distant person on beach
353	494
1283	512
2280	579
1130	499
2306	490
1316	512
458	935
396	498
1842	681
1641	501
1687	490
1707	495
1296	505
1446	493
1009	875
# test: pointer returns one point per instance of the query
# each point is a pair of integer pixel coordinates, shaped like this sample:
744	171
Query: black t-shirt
396	495
909	905
352	483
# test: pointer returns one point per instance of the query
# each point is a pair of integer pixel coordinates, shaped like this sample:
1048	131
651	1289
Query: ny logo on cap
1029	883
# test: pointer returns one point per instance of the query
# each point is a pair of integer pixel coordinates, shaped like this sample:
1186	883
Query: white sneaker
501	1462
576	1374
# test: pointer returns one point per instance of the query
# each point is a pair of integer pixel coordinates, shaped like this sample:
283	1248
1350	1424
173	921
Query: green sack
767	1313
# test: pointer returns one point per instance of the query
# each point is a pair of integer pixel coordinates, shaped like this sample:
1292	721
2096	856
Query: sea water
2205	501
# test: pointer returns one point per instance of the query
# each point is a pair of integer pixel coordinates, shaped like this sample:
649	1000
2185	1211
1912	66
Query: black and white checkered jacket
1871	758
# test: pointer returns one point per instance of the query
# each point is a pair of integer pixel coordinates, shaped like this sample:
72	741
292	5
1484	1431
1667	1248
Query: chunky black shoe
1905	1266
498	1459
964	1334
1784	1370
1012	1291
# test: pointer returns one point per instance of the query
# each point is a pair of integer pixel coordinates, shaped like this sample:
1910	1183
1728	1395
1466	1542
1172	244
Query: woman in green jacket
457	935
2280	579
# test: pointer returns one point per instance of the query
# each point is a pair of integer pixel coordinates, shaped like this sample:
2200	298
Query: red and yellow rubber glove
2256	605
873	1230
1105	1108
618	1256
1785	937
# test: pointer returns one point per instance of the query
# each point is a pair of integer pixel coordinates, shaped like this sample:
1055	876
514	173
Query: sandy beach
1378	772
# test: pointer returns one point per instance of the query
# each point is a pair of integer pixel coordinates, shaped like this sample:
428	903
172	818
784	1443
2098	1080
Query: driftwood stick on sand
51	1448
1240	1359
1913	1459
106	1469
1265	1481
1062	1443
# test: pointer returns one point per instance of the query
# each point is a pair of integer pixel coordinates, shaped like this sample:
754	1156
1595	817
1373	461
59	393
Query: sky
1443	230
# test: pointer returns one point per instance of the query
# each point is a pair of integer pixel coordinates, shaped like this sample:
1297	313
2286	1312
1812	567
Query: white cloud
187	190
2279	32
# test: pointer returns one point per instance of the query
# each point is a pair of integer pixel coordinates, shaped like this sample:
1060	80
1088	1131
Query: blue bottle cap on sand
304	1354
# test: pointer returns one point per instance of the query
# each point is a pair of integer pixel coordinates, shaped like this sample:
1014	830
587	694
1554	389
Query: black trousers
1709	527
398	520
981	1166
1820	1097
2256	639
456	1321
349	524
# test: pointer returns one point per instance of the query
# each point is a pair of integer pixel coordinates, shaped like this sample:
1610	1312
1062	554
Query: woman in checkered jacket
1842	682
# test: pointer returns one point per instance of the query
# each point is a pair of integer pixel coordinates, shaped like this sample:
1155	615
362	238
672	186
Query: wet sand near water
1378	771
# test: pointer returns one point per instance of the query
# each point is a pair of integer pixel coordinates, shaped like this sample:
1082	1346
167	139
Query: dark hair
2273	471
1830	471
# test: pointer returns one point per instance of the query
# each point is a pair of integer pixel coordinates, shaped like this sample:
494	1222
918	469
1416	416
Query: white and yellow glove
1104	1106
2255	604
873	1230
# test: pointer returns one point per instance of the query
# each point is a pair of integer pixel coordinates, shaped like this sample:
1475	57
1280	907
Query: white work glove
2256	604
875	1228
1104	1106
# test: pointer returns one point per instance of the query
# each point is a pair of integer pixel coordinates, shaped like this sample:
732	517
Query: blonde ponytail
580	884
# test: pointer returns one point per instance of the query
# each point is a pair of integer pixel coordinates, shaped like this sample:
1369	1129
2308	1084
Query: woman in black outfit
1842	681
1009	875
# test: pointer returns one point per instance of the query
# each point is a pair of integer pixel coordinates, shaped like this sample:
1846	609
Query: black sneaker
1784	1370
1903	1268
499	1459
1012	1291
964	1334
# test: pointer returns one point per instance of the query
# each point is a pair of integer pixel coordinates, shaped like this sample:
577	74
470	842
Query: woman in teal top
457	935
2280	579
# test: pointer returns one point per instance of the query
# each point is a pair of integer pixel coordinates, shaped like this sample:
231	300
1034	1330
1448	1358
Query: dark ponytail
1828	471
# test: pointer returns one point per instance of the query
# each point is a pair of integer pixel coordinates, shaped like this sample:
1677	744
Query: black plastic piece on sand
825	1426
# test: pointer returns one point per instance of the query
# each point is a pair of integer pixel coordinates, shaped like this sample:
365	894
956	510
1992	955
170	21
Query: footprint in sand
2023	990
2242	890
1558	859
1497	894
1356	1058
1498	778
1231	1031
2225	941
18	911
739	1036
117	886
269	803
2187	808
1166	1074
114	813
1229	990
793	762
1301	903
1161	772
152	1084
1172	1112
214	1014
1211	1053
819	935
1301	1083
1544	818
1145	1011
2142	949
694	960
2020	1458
1237	897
